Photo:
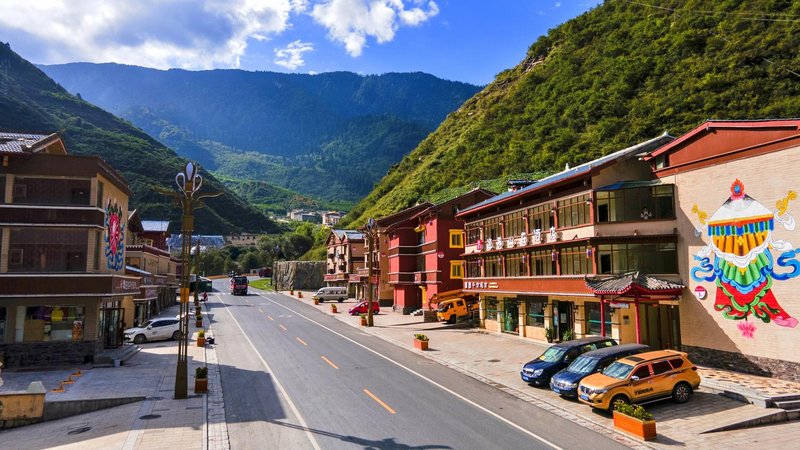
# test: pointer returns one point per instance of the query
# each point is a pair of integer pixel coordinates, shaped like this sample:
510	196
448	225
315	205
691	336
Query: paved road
295	378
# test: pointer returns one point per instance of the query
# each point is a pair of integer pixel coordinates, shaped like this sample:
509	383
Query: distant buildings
205	241
329	218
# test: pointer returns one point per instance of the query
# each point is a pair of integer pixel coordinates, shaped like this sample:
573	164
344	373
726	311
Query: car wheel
617	398
341	300
451	320
681	392
177	335
139	339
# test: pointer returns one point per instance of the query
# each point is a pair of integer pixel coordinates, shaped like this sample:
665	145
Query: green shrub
420	337
201	372
635	411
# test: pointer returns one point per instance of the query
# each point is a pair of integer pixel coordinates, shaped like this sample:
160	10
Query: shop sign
125	284
480	285
537	236
619	305
552	236
700	292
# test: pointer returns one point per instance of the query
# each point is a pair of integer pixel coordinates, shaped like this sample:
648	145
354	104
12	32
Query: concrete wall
20	408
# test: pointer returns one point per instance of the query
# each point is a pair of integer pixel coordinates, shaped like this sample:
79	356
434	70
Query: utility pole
371	231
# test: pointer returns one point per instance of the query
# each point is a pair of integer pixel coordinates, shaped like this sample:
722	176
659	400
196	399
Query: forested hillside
331	136
619	74
32	102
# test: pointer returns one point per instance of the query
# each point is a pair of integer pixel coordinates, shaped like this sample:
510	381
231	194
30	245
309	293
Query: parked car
641	378
361	308
331	293
154	330
566	381
559	356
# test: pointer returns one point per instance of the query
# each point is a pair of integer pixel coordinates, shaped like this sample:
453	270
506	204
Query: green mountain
32	102
619	74
330	136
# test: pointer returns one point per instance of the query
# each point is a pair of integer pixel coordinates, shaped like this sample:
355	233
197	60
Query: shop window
574	261
491	308
456	269
573	211
54	323
456	239
636	204
535	316
593	318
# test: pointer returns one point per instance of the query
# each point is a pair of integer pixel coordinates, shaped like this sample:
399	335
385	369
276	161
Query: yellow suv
641	378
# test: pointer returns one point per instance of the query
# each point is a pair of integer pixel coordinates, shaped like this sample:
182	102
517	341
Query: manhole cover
79	430
150	416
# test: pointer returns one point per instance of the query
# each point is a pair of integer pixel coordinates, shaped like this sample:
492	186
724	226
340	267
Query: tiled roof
18	143
155	225
627	282
213	241
354	235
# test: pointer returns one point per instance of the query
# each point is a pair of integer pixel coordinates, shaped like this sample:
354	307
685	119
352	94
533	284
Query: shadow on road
388	443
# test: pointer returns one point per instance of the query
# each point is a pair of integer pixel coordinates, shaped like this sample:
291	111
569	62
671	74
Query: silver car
154	330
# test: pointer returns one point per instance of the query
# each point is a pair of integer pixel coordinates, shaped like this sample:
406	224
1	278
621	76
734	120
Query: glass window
47	250
660	367
492	266
515	264
574	261
635	204
457	269
51	191
2	188
542	263
473	268
421	234
491	308
676	362
535	308
648	258
642	372
618	370
541	218
593	315
473	231
100	194
456	239
573	211
420	263
53	323
491	228
553	354
515	224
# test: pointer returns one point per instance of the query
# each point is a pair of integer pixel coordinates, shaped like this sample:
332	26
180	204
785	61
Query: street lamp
189	182
371	231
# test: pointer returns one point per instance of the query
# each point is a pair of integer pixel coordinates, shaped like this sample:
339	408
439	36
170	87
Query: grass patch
264	284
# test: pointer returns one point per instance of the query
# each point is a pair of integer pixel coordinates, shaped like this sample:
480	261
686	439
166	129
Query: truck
457	308
239	285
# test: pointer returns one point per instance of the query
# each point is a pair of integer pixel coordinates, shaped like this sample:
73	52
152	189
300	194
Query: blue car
559	356
566	381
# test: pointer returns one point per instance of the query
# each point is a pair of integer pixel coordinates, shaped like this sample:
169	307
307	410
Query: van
566	382
331	293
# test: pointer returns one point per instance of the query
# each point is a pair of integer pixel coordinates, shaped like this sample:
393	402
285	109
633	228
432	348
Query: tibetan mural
747	260
114	236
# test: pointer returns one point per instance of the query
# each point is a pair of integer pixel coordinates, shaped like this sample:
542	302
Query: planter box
333	309
200	385
642	429
198	323
420	345
363	321
201	342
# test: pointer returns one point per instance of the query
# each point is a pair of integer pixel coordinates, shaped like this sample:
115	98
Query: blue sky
464	40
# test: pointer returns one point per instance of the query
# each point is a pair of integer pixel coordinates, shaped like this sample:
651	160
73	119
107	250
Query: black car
560	356
566	381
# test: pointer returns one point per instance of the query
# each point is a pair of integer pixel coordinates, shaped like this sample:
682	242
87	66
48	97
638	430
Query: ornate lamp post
189	182
370	232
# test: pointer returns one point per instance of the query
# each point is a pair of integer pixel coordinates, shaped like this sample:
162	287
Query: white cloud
351	22
154	33
291	57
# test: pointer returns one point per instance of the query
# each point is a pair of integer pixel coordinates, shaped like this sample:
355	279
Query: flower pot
299	294
201	342
420	345
200	385
642	429
316	301
363	321
333	309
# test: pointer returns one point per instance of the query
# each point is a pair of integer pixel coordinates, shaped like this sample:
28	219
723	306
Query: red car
361	308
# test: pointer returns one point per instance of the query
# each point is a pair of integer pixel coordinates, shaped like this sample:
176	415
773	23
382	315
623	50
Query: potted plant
363	319
333	309
634	420
420	341
200	380
548	334
201	338
568	335
198	320
316	301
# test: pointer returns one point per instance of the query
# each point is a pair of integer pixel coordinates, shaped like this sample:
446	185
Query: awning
632	284
629	184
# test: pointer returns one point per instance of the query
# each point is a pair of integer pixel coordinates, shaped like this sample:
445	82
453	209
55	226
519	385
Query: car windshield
445	307
618	370
582	365
240	280
146	324
553	354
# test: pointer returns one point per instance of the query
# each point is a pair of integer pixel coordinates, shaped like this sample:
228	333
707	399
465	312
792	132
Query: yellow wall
18	406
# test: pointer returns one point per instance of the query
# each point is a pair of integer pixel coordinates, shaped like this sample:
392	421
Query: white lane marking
277	383
456	394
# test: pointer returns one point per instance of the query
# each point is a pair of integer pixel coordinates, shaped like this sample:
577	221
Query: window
676	362
421	234
542	263
593	315
642	372
535	308
515	224
2	324
473	232
573	211
660	367
456	239
47	250
574	261
491	308
492	266
100	194
420	263
541	218
2	190
53	323
473	268
456	269
515	264
51	191
647	258
636	204
491	229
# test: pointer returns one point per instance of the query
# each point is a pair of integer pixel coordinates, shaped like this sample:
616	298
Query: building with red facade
345	257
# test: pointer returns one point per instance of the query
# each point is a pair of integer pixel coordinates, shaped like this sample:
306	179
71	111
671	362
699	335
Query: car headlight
600	391
570	385
537	372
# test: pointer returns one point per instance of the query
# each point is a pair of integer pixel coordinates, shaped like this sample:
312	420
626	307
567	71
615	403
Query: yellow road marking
329	362
270	318
302	341
380	402
282	327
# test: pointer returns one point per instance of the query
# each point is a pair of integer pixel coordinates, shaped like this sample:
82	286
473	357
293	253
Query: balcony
401	278
420	277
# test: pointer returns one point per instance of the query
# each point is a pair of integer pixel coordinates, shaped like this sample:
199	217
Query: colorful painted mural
114	236
741	243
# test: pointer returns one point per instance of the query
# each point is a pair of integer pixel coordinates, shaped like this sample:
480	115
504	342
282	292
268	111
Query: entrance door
563	318
511	317
660	326
112	327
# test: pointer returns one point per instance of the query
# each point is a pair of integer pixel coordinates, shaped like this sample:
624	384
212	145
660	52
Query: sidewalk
496	359
158	422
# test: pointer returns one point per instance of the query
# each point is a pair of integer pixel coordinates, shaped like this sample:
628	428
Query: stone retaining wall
755	365
287	275
48	354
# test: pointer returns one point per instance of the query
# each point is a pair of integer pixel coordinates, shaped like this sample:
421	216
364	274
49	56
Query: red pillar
602	318
636	315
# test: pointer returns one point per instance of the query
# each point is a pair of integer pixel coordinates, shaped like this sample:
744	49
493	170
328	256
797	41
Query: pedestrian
205	296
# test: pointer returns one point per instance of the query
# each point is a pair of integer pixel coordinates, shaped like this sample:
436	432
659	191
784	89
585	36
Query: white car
153	330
